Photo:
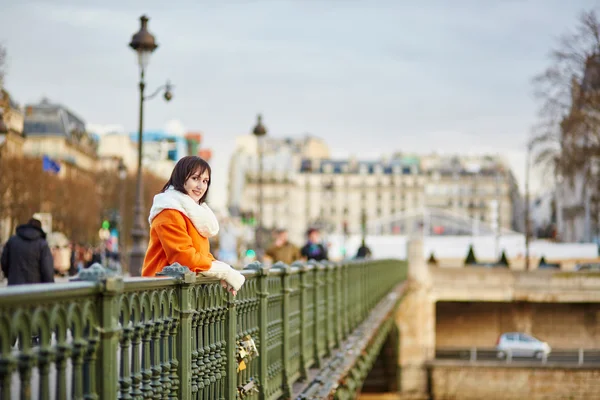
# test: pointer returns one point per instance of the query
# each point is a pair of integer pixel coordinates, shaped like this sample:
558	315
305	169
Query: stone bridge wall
453	381
467	324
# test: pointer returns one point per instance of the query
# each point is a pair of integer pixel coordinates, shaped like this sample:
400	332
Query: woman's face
196	185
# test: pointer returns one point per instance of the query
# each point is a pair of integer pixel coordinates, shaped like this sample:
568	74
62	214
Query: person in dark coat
26	257
314	249
363	251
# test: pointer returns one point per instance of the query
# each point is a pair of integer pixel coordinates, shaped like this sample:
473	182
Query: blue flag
49	165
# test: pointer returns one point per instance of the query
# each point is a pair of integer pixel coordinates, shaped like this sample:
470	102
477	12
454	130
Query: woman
181	224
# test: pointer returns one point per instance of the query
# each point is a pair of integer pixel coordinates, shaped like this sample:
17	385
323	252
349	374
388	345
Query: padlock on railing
249	388
248	343
246	351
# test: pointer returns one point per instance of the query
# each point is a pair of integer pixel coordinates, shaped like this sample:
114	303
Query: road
558	356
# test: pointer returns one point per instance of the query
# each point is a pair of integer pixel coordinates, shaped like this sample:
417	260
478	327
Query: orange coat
173	238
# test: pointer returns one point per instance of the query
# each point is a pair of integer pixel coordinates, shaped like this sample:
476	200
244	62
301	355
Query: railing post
263	293
184	336
285	287
473	354
231	348
337	284
580	356
345	292
328	306
316	326
303	270
107	371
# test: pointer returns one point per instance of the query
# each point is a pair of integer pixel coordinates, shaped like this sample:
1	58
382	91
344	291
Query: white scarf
202	217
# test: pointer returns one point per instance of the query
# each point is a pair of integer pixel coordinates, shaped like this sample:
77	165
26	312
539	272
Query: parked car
521	345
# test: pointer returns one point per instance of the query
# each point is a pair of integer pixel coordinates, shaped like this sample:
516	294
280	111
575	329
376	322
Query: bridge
306	331
381	329
451	318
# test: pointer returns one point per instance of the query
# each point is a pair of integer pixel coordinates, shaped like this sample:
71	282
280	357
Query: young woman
181	223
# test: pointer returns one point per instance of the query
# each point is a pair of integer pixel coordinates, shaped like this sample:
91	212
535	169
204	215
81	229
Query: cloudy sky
368	76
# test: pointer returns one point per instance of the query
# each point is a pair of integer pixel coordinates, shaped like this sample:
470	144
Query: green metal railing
177	337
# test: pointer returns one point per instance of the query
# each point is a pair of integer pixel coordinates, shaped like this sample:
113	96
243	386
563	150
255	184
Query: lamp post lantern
144	44
260	132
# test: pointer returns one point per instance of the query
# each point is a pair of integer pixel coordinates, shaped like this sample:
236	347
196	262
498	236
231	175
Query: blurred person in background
363	251
228	242
314	248
26	258
282	250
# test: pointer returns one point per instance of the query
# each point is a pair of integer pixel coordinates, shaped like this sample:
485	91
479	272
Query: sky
371	77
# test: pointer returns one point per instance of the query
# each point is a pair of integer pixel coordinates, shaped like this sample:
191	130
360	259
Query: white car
521	345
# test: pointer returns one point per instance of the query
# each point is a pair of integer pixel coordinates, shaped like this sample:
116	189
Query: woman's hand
224	272
228	287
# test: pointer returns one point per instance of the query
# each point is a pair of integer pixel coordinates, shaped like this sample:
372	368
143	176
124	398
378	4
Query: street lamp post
260	132
144	43
122	176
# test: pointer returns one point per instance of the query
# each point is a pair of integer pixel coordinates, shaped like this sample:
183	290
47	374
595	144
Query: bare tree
567	133
2	65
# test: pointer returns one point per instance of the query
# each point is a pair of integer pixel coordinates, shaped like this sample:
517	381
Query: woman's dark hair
185	168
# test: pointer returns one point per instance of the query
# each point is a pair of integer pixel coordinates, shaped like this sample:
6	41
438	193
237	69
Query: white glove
225	272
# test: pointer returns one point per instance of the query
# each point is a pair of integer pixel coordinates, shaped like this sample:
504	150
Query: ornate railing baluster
45	357
89	367
79	346
7	365
136	365
62	354
156	368
165	379
200	367
194	354
174	377
125	378
26	362
147	392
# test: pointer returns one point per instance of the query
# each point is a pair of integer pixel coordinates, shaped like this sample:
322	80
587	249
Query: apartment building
385	195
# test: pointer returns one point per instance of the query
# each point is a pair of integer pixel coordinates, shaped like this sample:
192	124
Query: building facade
469	195
282	158
11	114
160	152
55	131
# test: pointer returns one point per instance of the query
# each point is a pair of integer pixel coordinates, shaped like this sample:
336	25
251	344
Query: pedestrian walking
26	258
282	250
